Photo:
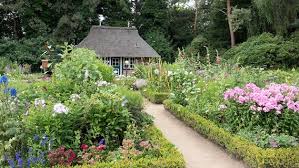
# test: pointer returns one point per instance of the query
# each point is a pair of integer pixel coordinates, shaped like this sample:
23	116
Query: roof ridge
112	27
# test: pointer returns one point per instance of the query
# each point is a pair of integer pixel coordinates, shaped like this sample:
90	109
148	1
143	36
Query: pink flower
84	147
101	147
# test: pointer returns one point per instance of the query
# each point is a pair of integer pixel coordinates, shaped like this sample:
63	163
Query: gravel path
198	151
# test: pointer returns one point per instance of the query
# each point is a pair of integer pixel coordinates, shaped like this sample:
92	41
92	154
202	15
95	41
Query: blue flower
102	141
44	141
19	159
13	92
10	161
4	80
35	138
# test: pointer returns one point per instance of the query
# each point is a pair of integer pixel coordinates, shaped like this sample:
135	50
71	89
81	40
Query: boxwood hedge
155	97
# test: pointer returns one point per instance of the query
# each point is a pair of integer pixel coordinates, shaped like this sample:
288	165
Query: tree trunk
229	15
196	16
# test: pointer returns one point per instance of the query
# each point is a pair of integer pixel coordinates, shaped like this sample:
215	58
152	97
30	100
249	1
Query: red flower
84	147
70	155
101	147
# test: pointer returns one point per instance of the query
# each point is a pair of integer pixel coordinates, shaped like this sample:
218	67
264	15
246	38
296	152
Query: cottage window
106	60
131	62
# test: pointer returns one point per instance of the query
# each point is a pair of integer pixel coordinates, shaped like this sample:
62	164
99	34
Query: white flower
102	83
86	74
156	71
169	73
39	103
75	97
222	107
60	108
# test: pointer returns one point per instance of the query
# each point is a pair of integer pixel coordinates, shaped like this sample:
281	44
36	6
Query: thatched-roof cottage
120	47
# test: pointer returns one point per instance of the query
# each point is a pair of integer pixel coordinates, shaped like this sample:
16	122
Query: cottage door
115	63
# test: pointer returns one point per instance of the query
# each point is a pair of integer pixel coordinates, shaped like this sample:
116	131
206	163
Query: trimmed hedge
171	157
252	155
155	97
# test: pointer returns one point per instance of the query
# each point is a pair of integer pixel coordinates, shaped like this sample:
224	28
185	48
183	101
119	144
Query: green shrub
100	116
83	65
249	152
26	50
265	50
133	100
182	86
155	97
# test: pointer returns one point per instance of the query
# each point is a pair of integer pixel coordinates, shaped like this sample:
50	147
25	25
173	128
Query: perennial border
171	157
252	155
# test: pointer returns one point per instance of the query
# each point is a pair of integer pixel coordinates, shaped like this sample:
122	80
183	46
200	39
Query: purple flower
102	141
19	159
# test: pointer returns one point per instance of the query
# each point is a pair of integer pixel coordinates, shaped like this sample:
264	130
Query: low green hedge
171	157
155	97
252	155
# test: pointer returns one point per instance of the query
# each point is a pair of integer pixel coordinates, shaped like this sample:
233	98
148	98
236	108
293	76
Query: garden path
197	150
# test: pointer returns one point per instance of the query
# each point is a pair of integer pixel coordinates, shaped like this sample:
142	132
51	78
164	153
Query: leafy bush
26	50
83	65
262	139
182	86
265	50
90	119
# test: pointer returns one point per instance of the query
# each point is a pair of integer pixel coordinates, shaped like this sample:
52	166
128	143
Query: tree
229	19
116	12
10	24
153	15
181	29
161	44
279	13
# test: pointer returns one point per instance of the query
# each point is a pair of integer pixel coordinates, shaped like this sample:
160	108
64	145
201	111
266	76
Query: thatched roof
117	42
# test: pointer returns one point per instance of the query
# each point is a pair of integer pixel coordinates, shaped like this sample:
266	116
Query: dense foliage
70	119
83	65
266	51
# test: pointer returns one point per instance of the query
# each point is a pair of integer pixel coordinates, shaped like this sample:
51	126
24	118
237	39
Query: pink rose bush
274	108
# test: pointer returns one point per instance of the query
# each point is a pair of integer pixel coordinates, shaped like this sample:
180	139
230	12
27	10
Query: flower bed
170	157
78	118
252	155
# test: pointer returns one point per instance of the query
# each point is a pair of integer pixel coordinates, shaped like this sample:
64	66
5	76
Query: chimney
101	19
